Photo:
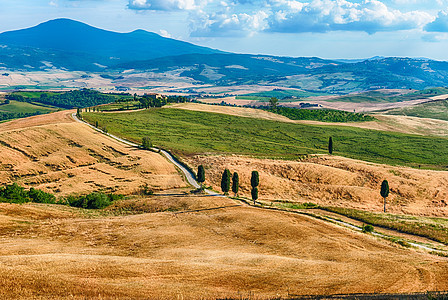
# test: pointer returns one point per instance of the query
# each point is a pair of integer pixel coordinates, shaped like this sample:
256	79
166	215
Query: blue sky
324	28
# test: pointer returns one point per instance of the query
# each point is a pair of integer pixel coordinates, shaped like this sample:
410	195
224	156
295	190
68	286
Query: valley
138	166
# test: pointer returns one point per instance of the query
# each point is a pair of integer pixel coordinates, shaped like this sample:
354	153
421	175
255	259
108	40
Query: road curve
190	177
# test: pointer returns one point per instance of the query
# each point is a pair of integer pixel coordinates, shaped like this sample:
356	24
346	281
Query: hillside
433	110
223	248
309	74
54	153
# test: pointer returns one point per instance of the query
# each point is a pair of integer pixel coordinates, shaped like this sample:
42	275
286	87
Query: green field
381	96
433	110
27	108
282	95
117	106
190	132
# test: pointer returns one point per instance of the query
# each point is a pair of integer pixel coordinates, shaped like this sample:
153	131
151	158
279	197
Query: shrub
93	200
367	228
39	196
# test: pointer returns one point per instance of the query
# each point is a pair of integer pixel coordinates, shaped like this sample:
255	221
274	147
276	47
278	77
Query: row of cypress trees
227	178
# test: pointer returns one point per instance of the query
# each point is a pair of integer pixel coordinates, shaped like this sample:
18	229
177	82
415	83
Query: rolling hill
77	40
65	44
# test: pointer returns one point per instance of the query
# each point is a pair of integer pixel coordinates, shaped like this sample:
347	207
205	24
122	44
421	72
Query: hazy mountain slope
32	59
225	68
73	36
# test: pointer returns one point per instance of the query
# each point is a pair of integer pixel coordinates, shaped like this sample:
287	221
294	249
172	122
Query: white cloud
324	15
245	17
167	5
165	33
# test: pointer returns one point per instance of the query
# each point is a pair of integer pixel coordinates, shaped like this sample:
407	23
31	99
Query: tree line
229	181
151	100
17	115
324	115
71	99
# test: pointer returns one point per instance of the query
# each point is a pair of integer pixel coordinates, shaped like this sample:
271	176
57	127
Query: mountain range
75	46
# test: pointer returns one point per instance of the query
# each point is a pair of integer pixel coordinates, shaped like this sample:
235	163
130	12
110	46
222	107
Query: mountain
230	68
307	73
106	47
75	46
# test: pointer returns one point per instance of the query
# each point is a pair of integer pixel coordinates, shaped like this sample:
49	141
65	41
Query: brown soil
54	153
49	252
335	181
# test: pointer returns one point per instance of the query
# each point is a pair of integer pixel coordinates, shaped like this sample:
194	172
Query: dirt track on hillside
54	153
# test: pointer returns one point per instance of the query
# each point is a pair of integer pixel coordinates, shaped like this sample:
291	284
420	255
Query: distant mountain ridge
109	47
70	45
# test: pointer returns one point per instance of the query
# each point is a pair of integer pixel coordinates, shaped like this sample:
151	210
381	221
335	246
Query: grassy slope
432	110
201	132
380	96
433	228
23	107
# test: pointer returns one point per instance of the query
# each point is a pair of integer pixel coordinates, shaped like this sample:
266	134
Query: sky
322	28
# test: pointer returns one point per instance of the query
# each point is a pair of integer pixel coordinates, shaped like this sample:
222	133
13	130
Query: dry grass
54	153
229	252
336	181
57	252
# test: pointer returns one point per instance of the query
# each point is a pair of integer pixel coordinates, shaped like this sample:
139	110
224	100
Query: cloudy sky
324	28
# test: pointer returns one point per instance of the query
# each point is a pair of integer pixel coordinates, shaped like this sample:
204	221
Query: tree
201	175
235	184
225	182
254	181
330	145
146	143
273	102
96	124
384	192
254	194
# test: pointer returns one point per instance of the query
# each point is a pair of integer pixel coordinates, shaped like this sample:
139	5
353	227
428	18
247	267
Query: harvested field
53	252
335	181
56	154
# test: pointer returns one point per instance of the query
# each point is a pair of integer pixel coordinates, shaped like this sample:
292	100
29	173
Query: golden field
175	245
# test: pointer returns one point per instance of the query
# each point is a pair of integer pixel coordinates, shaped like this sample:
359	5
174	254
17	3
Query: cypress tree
201	175
235	183
225	181
254	180
384	192
254	194
330	145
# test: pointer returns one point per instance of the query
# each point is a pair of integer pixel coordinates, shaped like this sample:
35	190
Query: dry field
57	252
178	246
56	154
335	181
